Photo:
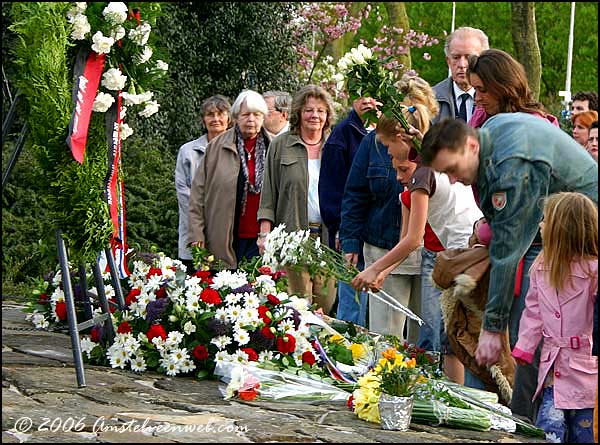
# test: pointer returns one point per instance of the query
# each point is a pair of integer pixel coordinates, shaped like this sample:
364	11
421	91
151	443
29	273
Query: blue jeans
348	309
245	248
564	425
430	333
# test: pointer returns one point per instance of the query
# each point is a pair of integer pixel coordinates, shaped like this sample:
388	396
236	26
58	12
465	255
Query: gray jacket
445	98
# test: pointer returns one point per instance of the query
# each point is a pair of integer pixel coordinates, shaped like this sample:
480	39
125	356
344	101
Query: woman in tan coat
226	189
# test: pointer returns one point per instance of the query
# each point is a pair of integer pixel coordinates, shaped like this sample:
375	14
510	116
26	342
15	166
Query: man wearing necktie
455	94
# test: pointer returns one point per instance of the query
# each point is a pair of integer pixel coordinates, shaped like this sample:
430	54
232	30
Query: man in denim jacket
513	161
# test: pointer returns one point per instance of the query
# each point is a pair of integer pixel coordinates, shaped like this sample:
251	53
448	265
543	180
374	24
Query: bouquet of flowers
399	375
366	76
298	249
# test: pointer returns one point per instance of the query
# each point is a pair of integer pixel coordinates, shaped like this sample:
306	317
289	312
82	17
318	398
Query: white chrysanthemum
251	299
159	343
150	109
233	313
265	284
241	336
187	365
81	27
179	354
221	341
140	34
138	364
240	357
161	65
221	314
249	316
102	44
103	102
226	278
286	325
300	304
117	357
56	280
57	296
118	33
115	12
265	356
192	304
189	328
233	298
173	339
126	131
77	9
144	56
170	365
113	79
192	281
223	356
87	345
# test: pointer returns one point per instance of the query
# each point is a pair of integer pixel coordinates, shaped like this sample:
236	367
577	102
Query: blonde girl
559	309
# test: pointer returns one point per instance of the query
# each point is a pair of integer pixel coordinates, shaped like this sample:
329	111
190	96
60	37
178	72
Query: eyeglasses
273	110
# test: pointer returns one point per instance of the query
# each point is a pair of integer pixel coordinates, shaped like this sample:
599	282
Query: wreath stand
90	320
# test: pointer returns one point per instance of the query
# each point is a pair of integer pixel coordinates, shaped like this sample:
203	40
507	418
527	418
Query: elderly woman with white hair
226	189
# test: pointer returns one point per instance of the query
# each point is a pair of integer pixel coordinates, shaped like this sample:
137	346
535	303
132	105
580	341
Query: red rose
265	270
252	355
264	314
61	310
308	357
210	296
43	299
204	275
124	328
200	353
266	331
154	271
286	344
132	296
273	299
161	293
96	334
156	330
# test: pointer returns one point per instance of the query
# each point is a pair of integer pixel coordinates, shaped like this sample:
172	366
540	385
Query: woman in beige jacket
226	189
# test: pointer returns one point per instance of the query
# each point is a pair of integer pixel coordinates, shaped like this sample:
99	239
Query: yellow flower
337	338
365	404
358	351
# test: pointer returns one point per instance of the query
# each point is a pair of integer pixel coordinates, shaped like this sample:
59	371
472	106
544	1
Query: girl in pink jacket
559	308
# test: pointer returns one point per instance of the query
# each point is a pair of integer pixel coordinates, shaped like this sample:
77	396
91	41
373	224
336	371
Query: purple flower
218	327
260	342
155	309
245	288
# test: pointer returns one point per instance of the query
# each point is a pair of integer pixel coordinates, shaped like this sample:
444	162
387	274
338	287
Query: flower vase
395	412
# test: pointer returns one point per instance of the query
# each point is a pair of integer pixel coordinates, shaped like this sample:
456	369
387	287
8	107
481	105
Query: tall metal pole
452	28
566	94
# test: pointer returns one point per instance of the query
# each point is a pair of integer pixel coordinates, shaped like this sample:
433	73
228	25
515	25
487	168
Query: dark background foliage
224	47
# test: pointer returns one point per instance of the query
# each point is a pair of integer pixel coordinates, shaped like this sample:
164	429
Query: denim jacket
371	210
522	159
336	160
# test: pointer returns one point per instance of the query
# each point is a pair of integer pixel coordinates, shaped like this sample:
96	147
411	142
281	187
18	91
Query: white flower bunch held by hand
356	56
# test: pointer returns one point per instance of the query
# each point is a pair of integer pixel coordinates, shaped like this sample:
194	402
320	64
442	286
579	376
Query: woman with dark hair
290	192
501	86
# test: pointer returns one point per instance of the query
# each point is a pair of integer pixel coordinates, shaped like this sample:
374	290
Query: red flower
248	394
266	331
61	310
265	270
308	357
277	275
204	275
124	328
273	299
210	296
200	353
161	293
132	296
286	344
154	271
264	314
112	307
96	334
252	355
43	299
156	330
350	402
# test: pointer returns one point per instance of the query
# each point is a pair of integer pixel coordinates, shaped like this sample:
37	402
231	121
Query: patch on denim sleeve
499	200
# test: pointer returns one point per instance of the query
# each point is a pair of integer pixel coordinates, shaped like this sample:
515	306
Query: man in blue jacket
513	161
336	160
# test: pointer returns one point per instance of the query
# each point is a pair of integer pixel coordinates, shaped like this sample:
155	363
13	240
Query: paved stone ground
41	402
